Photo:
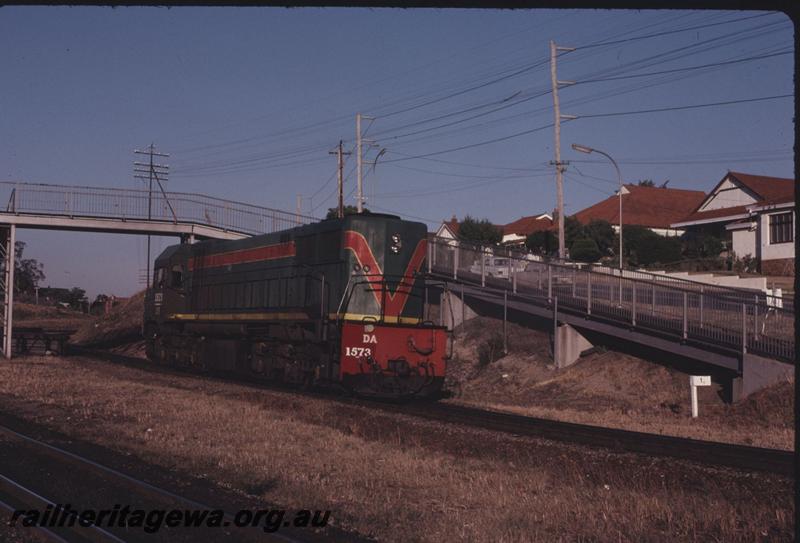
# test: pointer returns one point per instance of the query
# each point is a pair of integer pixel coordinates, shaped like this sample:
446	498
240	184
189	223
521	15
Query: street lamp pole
585	149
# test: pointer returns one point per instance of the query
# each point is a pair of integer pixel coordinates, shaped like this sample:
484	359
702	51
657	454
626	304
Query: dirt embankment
121	328
607	388
49	317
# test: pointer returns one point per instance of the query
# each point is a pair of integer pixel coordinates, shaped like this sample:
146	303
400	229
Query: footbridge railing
135	204
686	311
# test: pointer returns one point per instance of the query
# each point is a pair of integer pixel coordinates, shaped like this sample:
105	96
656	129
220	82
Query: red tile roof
767	190
453	225
526	226
653	207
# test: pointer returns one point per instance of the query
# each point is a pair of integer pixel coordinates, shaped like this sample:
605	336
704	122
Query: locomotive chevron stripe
395	301
243	256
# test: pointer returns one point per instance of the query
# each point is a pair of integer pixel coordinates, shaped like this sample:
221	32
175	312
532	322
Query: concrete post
455	262
685	315
588	292
514	282
505	319
653	308
701	306
744	329
430	256
556	350
549	282
483	266
463	306
755	318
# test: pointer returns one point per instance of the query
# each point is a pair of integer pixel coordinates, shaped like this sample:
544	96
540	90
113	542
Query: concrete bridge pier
757	373
568	344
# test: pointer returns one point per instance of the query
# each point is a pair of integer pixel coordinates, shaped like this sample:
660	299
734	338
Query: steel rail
714	453
143	485
29	497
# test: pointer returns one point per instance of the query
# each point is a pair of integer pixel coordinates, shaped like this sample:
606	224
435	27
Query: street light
589	150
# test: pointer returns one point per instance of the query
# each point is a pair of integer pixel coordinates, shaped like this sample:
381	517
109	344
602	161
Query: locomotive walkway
122	211
737	334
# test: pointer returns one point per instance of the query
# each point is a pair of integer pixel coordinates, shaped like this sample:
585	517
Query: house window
780	228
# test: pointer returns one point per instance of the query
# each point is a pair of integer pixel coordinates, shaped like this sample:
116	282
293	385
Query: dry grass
611	389
391	477
122	325
49	317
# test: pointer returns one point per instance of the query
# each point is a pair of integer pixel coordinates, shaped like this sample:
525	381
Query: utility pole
299	208
153	171
340	153
359	158
560	166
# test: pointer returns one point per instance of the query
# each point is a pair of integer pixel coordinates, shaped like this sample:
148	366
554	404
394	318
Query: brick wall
778	266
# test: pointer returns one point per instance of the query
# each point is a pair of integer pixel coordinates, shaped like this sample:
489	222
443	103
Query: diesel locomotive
335	302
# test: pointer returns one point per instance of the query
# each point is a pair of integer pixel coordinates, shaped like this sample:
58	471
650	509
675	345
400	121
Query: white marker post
694	382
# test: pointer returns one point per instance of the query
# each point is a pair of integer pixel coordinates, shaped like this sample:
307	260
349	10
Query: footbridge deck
732	329
122	211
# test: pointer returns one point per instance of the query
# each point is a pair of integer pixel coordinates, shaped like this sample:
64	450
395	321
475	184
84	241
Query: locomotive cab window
176	277
158	278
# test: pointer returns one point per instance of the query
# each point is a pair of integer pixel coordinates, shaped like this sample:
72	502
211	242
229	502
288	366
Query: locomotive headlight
397	243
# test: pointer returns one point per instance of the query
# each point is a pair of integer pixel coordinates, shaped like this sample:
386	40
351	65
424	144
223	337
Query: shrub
585	250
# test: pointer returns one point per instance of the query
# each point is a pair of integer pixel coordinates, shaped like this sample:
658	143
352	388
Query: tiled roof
721	214
767	190
453	225
526	226
653	207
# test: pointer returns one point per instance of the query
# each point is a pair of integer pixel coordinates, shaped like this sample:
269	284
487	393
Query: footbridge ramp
748	334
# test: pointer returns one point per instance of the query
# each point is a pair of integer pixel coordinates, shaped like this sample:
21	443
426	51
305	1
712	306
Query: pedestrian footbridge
745	335
121	211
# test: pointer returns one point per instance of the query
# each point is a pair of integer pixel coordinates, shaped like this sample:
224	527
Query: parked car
498	266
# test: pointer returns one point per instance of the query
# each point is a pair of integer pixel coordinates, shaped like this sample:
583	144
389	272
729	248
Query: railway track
37	475
741	457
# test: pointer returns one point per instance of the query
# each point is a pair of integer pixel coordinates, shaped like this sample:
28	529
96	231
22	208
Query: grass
393	477
610	389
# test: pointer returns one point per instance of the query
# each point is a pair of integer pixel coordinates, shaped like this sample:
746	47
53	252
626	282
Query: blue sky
248	102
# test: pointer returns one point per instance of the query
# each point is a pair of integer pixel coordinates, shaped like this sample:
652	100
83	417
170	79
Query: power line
688	68
667	32
680	108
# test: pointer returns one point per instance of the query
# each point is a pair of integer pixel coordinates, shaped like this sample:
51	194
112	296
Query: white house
756	214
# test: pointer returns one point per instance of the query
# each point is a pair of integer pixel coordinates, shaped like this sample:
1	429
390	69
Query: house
755	214
653	207
515	233
448	229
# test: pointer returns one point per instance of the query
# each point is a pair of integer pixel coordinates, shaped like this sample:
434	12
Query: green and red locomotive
338	301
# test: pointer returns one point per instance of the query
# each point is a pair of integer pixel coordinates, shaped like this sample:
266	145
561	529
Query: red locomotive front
393	359
387	349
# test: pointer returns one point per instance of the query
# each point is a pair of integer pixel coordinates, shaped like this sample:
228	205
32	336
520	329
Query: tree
333	212
76	297
27	271
543	242
602	233
643	247
701	245
584	250
480	231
